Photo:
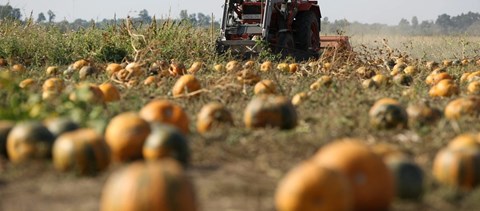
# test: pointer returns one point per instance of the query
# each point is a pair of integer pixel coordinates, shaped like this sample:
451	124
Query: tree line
465	23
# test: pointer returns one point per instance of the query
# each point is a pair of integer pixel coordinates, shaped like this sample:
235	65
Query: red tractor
290	27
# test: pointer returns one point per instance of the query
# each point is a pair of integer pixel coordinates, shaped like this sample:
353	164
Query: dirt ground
225	176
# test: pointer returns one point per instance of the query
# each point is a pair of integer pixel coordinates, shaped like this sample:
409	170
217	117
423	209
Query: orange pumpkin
299	98
467	140
422	114
465	62
53	84
387	113
157	185
464	77
19	68
309	187
403	79
473	88
213	115
248	76
462	106
218	67
83	151
249	64
327	66
365	73
77	65
447	63
185	85
380	80
135	69
233	66
411	70
28	141
113	68
398	68
150	80
458	167
265	86
125	135
196	66
368	84
166	141
293	68
266	66
474	76
270	111
164	111
52	70
27	83
371	181
85	72
122	75
52	88
110	92
444	88
5	128
323	81
284	67
434	78
86	92
177	69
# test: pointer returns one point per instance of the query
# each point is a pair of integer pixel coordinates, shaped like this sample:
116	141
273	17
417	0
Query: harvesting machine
289	27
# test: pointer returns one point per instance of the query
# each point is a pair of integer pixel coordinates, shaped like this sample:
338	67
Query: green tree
474	29
41	17
203	20
444	22
144	16
7	12
414	22
51	16
183	15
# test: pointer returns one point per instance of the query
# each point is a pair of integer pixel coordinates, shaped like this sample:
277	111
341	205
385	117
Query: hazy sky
366	11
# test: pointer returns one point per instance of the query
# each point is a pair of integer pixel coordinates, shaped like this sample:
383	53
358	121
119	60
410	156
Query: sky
364	11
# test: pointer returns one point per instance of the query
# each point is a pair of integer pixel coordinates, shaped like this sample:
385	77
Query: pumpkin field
149	117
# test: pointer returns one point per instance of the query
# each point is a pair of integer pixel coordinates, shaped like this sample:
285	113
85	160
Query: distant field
425	47
233	168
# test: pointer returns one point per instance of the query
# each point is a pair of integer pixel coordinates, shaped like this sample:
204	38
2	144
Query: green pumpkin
5	128
166	141
408	177
270	111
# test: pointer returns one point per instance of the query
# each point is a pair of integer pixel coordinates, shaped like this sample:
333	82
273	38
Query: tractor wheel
285	44
307	31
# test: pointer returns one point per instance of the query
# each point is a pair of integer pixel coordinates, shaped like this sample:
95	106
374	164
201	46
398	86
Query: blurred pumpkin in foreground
371	181
125	135
156	185
29	141
309	187
83	151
